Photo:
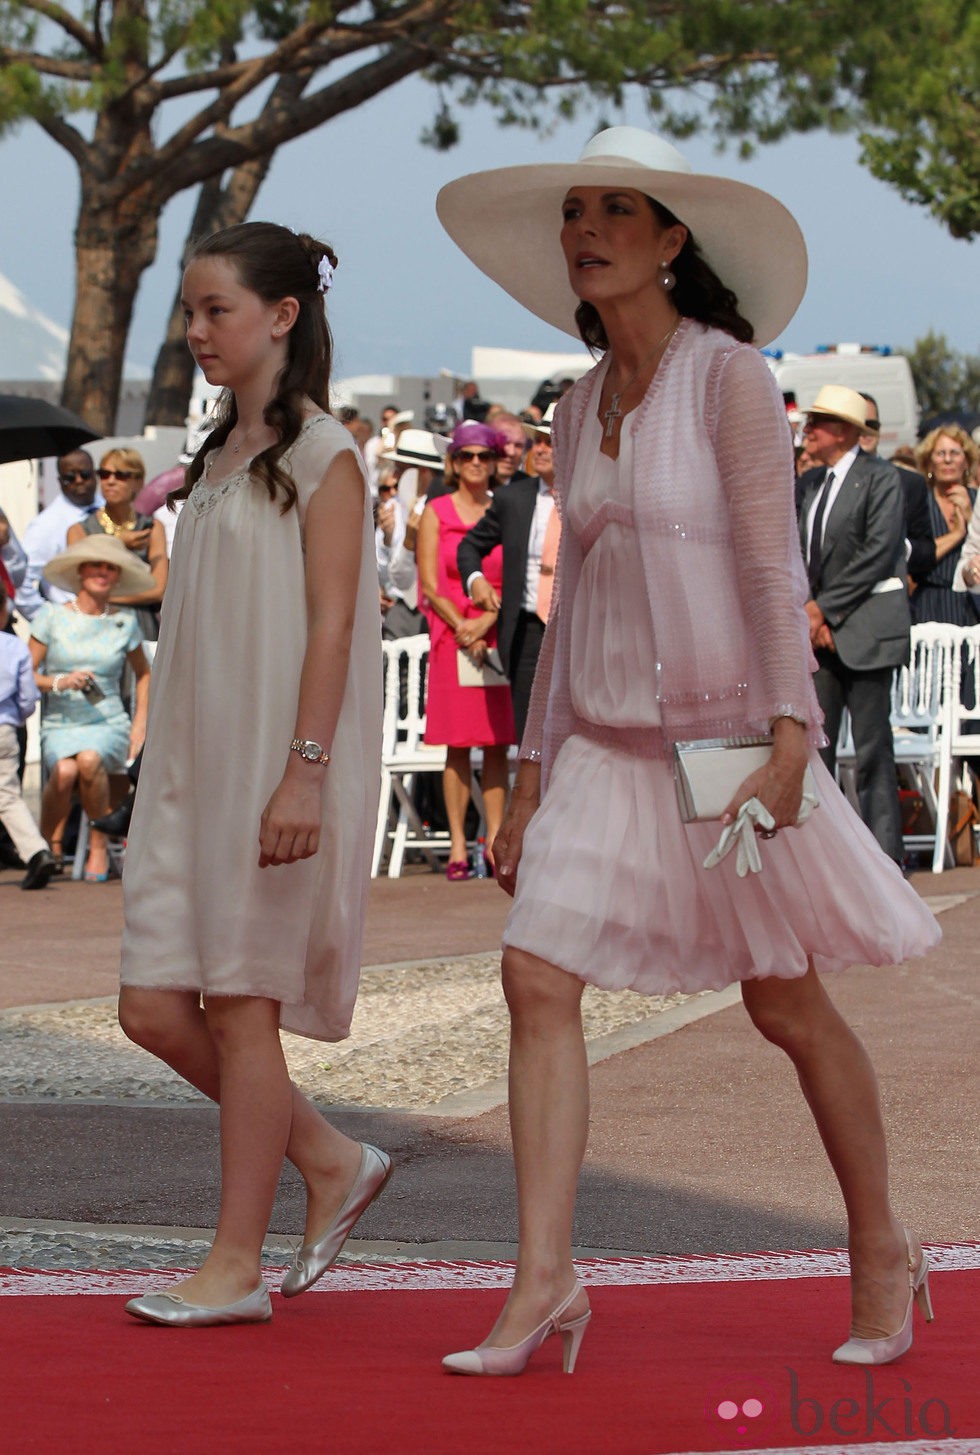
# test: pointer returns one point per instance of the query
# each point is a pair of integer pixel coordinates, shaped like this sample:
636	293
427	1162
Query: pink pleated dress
611	885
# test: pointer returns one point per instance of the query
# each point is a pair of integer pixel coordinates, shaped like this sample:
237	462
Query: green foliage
905	76
944	378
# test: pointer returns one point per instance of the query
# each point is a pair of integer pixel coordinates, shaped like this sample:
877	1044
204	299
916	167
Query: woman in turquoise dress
79	650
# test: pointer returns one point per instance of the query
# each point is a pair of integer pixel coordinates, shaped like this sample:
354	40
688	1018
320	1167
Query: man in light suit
517	519
852	533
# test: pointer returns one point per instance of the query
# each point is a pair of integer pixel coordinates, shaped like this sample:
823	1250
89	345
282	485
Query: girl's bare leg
173	1026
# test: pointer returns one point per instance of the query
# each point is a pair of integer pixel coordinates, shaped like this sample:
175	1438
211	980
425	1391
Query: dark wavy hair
698	293
275	263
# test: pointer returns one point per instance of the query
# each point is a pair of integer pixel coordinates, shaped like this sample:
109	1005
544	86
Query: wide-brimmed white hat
840	402
508	222
64	569
418	447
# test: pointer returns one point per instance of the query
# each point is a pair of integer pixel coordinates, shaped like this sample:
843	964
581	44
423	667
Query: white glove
741	835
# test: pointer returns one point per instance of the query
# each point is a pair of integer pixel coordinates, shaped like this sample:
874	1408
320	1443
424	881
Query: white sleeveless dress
200	914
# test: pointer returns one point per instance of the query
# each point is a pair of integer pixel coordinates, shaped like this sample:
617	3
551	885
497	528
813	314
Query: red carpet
683	1355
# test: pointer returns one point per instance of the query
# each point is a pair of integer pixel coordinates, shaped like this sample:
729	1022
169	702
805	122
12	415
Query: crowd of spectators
466	541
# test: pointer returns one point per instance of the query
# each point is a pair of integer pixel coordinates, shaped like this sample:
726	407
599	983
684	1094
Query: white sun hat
508	222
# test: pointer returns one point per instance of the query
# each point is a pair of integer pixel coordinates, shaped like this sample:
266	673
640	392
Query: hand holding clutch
741	833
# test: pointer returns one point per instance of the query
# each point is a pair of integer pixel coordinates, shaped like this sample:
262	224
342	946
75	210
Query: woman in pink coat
678	615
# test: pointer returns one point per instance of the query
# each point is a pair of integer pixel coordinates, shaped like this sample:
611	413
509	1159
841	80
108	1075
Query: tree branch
66	136
176	168
68	23
47	65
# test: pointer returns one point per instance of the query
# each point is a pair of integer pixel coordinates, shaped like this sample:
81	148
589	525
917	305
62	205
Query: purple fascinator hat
472	434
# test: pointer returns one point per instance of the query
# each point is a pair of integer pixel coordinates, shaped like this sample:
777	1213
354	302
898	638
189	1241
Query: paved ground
699	1141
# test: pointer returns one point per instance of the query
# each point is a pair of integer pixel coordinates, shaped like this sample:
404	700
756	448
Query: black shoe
116	823
40	867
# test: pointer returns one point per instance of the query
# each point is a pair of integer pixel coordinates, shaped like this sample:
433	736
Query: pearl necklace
95	615
613	413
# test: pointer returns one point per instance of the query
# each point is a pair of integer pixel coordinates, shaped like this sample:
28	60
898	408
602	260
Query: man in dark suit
852	533
919	538
517	519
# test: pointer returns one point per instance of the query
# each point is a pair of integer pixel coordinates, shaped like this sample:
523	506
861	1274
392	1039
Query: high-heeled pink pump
883	1351
514	1358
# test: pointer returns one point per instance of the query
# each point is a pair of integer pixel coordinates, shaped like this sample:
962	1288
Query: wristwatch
310	751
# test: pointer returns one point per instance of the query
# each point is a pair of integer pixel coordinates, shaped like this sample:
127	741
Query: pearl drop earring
667	279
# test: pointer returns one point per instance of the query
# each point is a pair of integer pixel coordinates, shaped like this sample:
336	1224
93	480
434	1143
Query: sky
406	300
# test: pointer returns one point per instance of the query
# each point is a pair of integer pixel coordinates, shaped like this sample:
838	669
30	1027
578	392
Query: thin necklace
614	412
235	448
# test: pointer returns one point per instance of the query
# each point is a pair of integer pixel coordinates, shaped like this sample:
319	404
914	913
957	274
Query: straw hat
418	447
134	575
508	222
543	426
841	403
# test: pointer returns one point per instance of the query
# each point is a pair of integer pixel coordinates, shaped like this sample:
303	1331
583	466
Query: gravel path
420	1033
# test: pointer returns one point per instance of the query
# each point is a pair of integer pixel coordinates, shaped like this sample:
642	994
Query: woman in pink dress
677	615
473	716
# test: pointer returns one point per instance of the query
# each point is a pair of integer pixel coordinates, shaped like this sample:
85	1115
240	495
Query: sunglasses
118	475
484	456
70	476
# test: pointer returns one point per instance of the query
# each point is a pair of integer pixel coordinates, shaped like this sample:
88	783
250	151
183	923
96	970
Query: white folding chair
404	756
959	743
921	725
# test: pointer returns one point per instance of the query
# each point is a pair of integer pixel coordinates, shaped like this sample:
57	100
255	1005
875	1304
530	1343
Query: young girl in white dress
248	859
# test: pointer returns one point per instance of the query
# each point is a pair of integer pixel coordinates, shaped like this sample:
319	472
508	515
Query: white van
869	368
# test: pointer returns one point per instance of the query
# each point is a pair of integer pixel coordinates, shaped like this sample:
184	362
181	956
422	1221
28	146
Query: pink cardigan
713	502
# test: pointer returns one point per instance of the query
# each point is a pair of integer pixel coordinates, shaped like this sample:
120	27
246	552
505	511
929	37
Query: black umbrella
33	429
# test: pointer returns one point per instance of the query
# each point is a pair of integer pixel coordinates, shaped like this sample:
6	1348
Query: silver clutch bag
708	772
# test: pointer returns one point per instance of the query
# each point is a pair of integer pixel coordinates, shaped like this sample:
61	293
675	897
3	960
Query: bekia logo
742	1409
896	1413
745	1408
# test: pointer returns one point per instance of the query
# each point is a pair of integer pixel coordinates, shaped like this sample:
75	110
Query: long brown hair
698	293
275	263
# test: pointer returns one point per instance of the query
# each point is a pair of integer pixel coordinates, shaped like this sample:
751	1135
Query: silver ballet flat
313	1259
170	1308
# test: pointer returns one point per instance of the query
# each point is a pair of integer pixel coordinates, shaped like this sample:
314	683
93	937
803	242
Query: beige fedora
134	575
508	221
840	402
418	447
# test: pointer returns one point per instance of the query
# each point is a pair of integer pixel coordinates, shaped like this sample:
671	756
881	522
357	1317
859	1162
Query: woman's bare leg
456	791
841	1090
549	1120
494	782
56	801
172	1025
93	790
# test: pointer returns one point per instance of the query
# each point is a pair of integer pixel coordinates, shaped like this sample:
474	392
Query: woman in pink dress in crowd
678	614
463	717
